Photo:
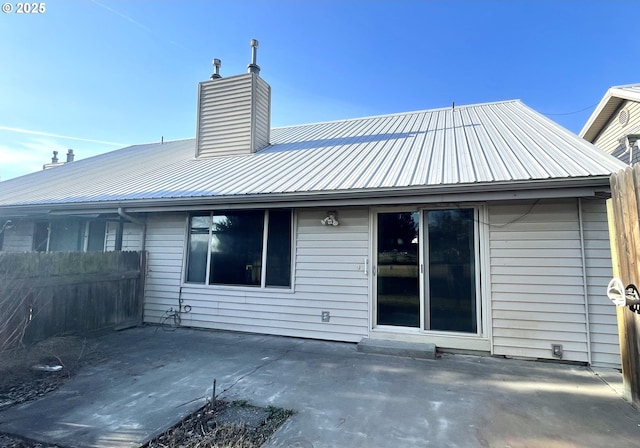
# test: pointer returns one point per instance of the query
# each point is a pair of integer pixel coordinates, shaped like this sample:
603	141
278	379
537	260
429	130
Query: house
614	125
479	228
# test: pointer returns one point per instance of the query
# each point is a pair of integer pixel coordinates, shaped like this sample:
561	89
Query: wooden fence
624	229
49	294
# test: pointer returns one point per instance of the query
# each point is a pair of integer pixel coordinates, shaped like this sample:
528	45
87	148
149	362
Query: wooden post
141	286
623	211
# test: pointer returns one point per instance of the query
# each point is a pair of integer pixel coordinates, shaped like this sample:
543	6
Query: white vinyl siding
131	236
19	238
233	116
609	138
329	276
537	290
261	114
165	245
603	323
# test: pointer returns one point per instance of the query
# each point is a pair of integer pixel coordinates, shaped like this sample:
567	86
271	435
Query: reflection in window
236	248
69	235
279	248
228	248
198	243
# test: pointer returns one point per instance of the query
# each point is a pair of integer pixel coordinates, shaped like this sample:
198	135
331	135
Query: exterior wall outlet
326	316
556	350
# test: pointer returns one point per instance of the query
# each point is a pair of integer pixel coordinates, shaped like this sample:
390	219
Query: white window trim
483	273
263	274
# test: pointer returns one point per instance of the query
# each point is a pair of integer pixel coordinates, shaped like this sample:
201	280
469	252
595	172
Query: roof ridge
623	86
395	114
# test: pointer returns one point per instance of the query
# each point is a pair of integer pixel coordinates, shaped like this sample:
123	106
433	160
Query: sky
98	75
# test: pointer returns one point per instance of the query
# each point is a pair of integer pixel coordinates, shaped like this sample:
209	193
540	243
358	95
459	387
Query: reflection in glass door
450	278
398	277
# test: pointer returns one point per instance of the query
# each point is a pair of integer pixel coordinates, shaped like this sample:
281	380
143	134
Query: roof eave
608	105
585	186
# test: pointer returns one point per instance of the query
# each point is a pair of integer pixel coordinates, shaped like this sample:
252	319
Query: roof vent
70	156
254	67
216	69
623	117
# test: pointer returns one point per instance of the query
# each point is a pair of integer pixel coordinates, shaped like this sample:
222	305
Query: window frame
84	229
263	277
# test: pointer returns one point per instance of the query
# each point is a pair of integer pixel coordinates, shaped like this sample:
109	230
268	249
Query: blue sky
112	73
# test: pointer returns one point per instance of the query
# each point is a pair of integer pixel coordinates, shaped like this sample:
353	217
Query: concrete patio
152	378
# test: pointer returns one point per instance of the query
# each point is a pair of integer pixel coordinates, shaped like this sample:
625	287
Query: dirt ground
27	374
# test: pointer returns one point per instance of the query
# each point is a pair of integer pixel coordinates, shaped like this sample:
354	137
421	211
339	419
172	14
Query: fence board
48	294
624	213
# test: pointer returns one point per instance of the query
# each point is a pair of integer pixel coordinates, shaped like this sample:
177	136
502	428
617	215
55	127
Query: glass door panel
398	284
451	271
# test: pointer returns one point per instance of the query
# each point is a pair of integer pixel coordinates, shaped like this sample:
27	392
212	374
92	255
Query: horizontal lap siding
603	323
329	276
537	290
165	246
131	236
609	137
19	238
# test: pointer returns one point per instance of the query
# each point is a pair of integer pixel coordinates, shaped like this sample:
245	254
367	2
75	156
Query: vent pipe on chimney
70	156
54	159
216	69
254	67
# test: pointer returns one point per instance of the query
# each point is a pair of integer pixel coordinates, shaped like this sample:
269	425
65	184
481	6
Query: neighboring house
479	228
614	126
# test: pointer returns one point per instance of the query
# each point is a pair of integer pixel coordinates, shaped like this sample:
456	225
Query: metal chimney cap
217	63
254	67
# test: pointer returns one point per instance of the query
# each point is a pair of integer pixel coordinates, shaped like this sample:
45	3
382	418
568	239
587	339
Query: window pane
41	236
452	282
198	246
96	236
236	248
279	248
398	285
65	236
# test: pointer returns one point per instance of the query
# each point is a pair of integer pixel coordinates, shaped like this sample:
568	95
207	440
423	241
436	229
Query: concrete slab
397	348
342	398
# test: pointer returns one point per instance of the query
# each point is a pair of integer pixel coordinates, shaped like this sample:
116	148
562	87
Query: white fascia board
582	187
612	99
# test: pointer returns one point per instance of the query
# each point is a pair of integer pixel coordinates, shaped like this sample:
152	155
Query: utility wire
571	113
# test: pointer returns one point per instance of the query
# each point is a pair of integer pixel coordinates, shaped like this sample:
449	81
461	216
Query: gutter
585	186
584	281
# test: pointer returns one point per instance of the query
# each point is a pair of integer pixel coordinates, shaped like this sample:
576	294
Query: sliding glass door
427	270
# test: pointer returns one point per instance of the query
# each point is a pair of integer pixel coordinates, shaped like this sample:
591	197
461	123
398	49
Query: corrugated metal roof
607	107
475	145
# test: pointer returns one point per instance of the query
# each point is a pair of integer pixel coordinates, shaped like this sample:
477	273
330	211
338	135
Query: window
41	237
69	235
241	248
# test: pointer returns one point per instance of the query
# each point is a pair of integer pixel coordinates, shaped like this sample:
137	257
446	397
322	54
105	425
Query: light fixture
331	219
8	224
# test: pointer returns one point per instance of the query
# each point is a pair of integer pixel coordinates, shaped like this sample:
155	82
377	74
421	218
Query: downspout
138	221
584	281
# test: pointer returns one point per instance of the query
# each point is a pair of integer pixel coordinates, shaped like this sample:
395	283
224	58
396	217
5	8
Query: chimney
234	113
54	159
70	156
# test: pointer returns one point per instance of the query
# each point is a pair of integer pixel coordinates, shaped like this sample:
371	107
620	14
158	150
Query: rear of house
479	228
